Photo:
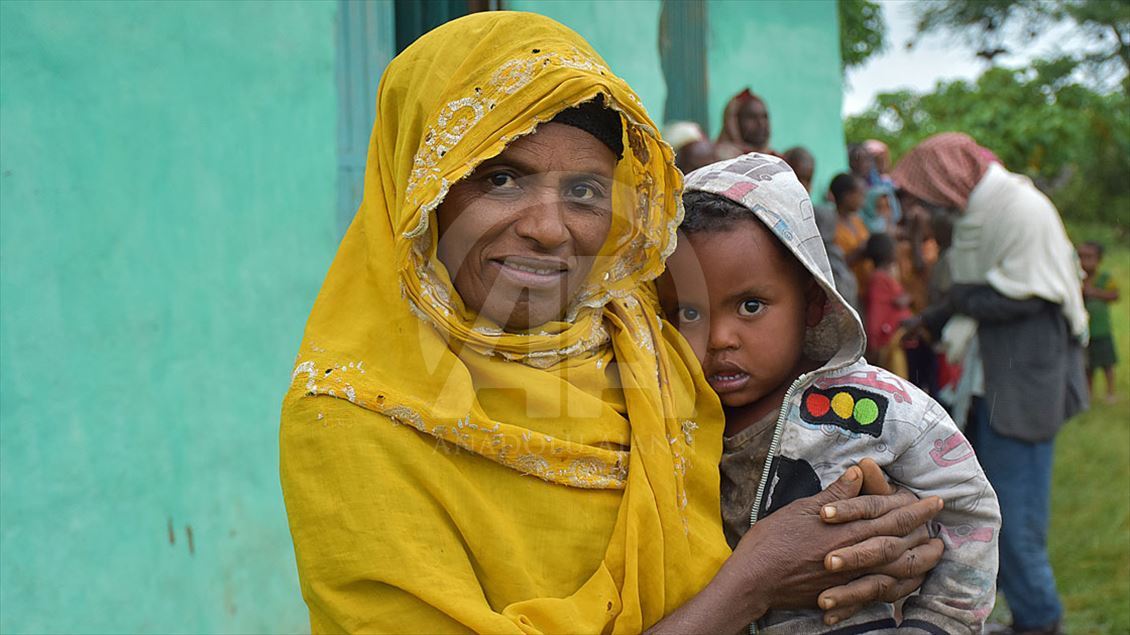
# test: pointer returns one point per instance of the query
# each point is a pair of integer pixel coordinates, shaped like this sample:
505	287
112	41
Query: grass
1089	538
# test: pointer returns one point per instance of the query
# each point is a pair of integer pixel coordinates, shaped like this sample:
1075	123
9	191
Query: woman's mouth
728	381
529	272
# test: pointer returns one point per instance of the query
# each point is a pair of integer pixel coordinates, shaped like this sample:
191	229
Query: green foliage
862	31
1073	141
988	26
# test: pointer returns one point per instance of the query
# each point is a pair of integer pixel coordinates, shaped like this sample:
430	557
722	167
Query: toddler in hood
750	288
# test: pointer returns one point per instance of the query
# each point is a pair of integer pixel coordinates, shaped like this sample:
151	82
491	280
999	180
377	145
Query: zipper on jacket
774	447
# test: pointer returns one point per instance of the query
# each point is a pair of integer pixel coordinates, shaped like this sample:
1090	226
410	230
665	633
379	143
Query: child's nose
722	336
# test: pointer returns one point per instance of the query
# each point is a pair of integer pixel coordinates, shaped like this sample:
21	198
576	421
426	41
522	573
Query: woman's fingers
879	551
885	514
914	562
842	602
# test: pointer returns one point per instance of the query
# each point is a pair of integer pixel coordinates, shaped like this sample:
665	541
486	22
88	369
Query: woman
1015	313
745	126
488	427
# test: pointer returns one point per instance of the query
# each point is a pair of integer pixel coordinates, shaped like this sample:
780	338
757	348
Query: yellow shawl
441	475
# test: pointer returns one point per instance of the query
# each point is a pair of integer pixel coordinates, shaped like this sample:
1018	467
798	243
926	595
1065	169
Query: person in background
1099	291
693	149
1015	316
745	126
681	133
851	232
860	161
881	158
916	252
803	165
877	213
695	155
947	377
887	306
872	163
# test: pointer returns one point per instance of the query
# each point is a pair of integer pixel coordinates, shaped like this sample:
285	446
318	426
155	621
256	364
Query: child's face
883	207
742	301
1089	258
854	199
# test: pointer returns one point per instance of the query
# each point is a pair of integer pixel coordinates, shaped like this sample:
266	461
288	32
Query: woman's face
519	235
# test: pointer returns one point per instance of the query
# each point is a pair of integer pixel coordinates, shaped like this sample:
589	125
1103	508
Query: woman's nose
543	222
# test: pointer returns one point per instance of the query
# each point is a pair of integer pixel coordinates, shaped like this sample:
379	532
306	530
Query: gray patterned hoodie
848	410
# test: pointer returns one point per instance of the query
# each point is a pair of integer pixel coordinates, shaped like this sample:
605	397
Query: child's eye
687	315
750	307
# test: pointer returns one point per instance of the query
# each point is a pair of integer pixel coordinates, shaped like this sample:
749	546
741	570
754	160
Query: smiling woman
521	232
488	427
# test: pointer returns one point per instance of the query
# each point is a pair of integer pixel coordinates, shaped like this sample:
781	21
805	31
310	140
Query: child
1099	291
888	304
848	194
750	288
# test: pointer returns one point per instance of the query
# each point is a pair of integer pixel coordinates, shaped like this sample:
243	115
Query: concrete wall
167	189
788	52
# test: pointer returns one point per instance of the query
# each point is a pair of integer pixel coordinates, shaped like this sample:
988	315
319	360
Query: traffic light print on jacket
847	407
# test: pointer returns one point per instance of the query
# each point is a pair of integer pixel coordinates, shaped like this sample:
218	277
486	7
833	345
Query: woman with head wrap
745	126
1015	312
489	428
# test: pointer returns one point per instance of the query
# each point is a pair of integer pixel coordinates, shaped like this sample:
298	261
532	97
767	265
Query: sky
933	58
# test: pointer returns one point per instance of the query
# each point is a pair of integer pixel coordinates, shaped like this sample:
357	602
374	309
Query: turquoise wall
786	50
167	189
169	173
789	53
624	32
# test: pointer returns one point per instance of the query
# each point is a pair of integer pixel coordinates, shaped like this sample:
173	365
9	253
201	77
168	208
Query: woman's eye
584	192
502	180
687	315
750	307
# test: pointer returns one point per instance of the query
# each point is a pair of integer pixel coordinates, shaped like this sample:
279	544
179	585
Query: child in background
888	305
1099	291
848	193
750	287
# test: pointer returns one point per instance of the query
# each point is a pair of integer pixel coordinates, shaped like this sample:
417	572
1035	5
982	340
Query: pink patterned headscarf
943	169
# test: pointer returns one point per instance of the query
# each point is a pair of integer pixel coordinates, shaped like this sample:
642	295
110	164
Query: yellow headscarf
442	475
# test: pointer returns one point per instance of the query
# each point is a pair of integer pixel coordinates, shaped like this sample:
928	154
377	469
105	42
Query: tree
1071	139
863	31
988	26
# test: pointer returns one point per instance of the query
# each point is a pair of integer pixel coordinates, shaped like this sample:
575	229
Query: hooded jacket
847	410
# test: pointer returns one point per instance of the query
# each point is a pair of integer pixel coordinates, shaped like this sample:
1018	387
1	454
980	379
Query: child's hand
874	480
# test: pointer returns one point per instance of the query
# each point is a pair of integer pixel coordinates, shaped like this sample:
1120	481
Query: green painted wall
788	52
167	192
624	32
168	183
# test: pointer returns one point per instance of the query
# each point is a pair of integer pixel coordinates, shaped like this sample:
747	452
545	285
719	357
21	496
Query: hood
768	188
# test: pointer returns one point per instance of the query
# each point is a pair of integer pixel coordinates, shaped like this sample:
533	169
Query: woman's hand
907	559
845	549
832	538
